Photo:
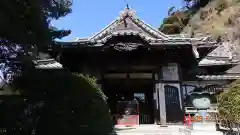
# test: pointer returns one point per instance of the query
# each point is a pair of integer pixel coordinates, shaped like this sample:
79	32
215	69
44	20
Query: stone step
199	132
147	130
144	134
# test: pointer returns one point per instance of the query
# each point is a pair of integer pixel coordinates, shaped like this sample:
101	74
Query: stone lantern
201	100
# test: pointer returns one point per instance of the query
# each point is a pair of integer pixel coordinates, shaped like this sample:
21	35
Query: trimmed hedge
229	103
72	103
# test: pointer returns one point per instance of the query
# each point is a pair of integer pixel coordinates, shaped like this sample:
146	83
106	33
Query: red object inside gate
128	113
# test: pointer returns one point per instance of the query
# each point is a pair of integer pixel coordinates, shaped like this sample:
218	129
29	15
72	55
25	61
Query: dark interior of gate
174	111
119	92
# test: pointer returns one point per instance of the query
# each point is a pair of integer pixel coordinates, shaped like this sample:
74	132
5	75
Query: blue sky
90	16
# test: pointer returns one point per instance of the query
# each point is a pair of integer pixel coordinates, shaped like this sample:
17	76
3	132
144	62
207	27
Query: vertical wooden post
162	104
157	105
156	101
181	88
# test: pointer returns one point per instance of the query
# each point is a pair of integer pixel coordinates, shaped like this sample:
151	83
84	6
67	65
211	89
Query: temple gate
134	61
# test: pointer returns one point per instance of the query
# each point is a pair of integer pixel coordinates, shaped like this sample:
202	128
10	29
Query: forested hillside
209	17
219	19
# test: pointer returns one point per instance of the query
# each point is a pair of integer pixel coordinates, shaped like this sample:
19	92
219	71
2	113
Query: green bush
73	104
175	22
229	103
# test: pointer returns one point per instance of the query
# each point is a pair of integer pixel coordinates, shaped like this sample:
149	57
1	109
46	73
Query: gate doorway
142	93
174	113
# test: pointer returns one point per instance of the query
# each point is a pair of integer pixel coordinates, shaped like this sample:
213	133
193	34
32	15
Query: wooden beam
162	104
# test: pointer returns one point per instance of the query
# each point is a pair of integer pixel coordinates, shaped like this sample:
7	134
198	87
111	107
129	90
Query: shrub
229	103
72	104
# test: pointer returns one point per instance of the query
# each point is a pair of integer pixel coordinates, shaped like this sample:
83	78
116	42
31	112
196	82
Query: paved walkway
152	129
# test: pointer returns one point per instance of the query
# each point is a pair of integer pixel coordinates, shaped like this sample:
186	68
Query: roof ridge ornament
127	6
127	11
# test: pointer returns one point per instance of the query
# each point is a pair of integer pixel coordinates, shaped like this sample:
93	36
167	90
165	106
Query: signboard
170	72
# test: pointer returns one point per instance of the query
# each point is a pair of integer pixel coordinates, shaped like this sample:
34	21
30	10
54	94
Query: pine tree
25	29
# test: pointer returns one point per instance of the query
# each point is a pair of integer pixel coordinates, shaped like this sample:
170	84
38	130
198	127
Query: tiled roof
220	56
129	24
222	51
211	62
218	77
147	38
128	15
48	64
179	36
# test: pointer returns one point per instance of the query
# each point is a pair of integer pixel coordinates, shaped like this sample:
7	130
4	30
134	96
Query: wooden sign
170	72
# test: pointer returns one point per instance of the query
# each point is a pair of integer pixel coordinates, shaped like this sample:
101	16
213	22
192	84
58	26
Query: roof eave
216	64
205	49
218	77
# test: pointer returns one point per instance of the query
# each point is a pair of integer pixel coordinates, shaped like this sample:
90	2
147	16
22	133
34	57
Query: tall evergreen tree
25	27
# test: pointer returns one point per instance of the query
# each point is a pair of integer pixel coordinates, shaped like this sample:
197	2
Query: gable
222	51
129	23
129	26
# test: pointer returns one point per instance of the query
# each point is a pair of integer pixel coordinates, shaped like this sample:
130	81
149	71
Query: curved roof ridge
132	15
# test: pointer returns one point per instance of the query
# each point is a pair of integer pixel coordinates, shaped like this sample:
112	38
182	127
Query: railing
145	119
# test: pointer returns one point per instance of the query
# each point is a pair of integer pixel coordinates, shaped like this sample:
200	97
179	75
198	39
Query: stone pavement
152	129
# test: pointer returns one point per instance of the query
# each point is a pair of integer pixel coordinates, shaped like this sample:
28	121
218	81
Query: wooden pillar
155	103
162	104
159	96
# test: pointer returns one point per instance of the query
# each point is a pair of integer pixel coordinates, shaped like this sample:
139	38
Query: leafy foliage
26	28
8	59
61	103
177	20
229	103
28	22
